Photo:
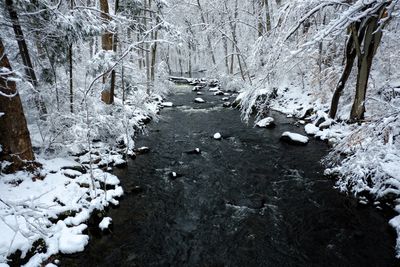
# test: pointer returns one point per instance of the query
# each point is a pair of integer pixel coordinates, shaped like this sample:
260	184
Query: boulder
199	100
294	138
217	136
167	104
266	123
174	175
194	151
142	150
311	129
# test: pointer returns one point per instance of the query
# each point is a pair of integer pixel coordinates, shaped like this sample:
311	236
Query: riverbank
46	211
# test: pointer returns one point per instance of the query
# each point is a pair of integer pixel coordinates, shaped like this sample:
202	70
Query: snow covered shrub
367	161
162	85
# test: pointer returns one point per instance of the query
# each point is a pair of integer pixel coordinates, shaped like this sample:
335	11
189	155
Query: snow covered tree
15	142
107	94
364	37
24	53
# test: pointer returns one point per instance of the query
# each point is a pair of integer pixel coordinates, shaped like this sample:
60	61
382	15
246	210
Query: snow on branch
355	12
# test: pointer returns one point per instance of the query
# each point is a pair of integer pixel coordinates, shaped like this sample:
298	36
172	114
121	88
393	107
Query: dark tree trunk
15	140
71	67
24	52
350	56
71	81
372	39
107	95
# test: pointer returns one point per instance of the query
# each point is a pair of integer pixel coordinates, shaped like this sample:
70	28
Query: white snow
29	207
167	104
199	100
214	89
311	129
265	122
105	223
71	239
217	136
296	137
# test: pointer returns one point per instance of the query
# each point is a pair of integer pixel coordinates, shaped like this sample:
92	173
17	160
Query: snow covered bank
51	207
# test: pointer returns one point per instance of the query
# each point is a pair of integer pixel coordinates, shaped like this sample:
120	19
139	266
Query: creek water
246	200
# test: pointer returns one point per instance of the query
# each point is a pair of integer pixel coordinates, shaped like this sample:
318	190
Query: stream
246	200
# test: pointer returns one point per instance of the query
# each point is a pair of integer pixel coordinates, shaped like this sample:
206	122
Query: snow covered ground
52	206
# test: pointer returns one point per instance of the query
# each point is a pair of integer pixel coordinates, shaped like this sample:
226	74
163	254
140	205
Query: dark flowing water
247	200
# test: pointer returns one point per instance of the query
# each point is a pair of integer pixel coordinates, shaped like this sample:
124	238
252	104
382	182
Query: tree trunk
147	52
15	141
268	26
24	52
107	95
350	58
372	40
190	58
203	20
260	23
154	53
225	42
71	81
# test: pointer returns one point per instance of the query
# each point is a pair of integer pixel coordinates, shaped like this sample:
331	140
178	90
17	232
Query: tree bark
372	39
350	55
154	52
71	67
15	140
24	52
107	95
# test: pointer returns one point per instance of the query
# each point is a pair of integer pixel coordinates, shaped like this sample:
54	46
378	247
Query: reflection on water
247	200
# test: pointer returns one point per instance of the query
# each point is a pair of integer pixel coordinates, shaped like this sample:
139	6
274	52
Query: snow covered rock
199	93
217	136
194	151
226	104
311	129
105	223
199	100
71	239
294	138
225	99
174	175
142	150
218	93
167	104
238	100
214	89
266	122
